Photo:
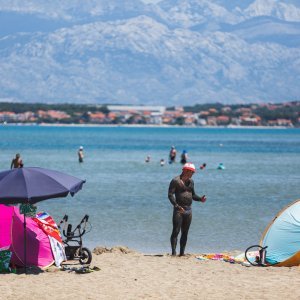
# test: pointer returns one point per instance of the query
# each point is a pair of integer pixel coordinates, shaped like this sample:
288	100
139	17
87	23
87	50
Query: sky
151	1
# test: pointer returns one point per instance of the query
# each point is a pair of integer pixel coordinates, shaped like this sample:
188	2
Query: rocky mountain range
173	52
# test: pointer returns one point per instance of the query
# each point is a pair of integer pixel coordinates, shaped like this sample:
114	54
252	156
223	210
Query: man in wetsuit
182	187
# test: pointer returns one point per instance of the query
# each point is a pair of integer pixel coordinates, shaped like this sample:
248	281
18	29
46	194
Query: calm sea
126	198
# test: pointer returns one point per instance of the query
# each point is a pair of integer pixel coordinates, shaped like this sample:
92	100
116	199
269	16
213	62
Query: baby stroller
73	240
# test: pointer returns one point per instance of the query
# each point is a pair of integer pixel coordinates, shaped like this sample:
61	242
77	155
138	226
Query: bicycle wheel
253	256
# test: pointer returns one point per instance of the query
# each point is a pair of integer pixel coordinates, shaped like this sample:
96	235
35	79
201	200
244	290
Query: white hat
81	148
190	167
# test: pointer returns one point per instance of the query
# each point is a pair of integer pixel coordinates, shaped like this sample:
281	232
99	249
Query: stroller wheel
85	256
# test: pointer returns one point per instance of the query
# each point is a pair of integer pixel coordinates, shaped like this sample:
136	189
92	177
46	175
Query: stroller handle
84	219
69	233
64	219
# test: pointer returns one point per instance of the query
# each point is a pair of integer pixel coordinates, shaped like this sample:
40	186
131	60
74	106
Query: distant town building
280	122
250	121
137	108
223	120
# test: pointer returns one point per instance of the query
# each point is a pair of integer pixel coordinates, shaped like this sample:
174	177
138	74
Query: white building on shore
137	108
153	113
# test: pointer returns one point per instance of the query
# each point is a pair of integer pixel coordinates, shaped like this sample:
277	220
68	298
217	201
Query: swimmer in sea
181	195
221	166
203	166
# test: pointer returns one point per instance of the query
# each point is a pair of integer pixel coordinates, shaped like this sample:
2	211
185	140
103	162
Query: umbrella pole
25	245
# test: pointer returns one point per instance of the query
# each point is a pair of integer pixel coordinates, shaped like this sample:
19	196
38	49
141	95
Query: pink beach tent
39	251
6	214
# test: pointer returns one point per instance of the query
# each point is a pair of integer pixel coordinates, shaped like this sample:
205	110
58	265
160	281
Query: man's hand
180	209
203	199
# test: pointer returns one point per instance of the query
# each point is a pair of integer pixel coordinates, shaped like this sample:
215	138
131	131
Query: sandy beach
131	275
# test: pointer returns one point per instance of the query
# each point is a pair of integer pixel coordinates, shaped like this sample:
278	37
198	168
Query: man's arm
171	192
195	196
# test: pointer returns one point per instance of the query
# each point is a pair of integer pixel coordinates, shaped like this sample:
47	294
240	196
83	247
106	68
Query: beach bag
5	256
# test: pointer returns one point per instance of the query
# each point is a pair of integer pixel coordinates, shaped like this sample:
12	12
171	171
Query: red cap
190	167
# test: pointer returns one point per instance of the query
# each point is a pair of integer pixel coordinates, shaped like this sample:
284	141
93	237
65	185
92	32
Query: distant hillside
178	52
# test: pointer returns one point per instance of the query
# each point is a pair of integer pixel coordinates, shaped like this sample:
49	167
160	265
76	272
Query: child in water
203	166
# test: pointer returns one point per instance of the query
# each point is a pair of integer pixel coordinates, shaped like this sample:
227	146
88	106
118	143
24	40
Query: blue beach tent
282	237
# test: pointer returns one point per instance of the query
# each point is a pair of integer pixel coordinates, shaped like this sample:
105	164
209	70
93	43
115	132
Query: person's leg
185	226
177	221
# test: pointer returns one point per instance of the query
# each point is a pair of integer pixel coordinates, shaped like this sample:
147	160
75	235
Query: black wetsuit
184	196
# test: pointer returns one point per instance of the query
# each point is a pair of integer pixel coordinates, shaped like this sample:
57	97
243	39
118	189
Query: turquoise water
127	198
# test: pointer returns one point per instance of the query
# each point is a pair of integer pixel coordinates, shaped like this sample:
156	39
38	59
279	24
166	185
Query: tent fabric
282	237
6	214
39	251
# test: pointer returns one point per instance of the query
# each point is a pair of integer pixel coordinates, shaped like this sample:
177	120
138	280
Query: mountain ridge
150	54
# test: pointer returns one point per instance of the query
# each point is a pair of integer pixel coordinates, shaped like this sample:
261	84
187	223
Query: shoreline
144	126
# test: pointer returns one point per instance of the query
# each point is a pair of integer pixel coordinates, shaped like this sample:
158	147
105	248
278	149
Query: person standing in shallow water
184	157
16	162
181	195
80	154
172	155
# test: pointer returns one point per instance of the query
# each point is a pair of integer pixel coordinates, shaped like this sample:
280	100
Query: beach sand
126	274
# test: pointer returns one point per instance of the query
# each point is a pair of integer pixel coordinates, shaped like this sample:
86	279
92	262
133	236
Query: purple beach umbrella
33	184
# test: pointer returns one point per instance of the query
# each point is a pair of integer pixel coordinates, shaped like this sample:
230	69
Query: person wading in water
182	187
80	154
16	162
